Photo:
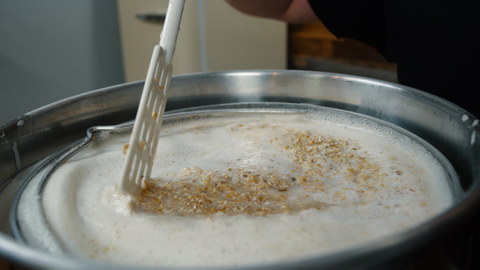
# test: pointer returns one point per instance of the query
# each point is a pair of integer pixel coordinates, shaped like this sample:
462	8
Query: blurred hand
294	11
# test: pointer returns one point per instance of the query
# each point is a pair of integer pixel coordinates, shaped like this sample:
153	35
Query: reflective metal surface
447	127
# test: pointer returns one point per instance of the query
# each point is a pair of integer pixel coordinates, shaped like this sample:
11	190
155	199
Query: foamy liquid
407	186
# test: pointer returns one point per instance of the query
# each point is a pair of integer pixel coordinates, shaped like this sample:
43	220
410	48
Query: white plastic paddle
146	130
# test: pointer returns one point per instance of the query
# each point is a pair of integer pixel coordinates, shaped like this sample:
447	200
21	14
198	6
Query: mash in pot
246	189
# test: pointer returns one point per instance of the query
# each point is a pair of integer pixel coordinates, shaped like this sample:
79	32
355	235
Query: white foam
108	231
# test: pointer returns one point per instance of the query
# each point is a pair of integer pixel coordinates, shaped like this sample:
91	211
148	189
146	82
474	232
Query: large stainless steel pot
446	126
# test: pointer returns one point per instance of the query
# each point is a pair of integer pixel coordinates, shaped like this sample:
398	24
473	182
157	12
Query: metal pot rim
391	248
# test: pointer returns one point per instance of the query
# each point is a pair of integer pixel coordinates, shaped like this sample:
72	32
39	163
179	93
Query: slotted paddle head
148	122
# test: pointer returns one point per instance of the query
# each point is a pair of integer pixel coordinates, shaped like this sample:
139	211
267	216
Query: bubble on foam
120	202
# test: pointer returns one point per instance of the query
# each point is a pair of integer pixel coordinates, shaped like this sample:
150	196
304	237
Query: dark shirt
436	43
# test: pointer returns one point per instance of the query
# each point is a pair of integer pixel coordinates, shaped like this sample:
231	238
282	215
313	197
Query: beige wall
232	40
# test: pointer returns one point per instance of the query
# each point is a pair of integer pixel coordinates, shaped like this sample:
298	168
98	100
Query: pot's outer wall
446	126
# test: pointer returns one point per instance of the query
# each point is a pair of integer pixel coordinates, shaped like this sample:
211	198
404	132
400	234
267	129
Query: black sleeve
363	20
435	43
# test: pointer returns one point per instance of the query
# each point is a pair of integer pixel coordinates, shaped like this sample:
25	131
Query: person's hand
295	11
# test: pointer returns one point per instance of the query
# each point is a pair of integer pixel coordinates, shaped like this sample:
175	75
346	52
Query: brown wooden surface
314	40
6	265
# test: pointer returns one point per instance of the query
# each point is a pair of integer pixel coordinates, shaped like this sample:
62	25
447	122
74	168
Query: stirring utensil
146	130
